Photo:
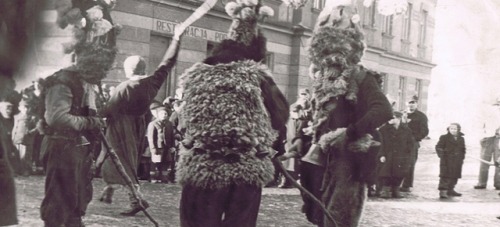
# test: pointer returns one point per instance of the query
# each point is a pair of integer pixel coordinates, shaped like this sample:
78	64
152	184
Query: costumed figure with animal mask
232	110
348	106
69	123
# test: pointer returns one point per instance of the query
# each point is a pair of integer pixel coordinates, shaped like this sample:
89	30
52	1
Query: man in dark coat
395	156
417	122
8	212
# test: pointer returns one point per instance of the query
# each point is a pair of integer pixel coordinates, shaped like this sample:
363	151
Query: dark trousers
8	212
235	205
408	179
311	178
391	181
447	183
68	182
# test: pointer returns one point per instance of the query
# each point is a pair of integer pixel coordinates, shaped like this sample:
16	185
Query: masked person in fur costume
348	107
232	109
126	111
69	119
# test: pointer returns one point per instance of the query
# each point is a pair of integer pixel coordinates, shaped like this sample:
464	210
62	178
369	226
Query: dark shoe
497	188
135	208
443	194
453	193
498	217
404	189
396	193
479	187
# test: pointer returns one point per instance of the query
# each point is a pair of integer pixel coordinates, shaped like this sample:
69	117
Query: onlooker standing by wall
490	150
8	211
451	151
417	122
9	108
395	156
23	136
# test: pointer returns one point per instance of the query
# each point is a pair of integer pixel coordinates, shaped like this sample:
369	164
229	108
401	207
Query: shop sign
168	27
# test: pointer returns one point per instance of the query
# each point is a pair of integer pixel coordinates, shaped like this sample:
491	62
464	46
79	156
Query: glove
96	123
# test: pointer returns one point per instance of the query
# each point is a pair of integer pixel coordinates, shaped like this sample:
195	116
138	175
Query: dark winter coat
8	213
362	117
418	125
396	148
451	151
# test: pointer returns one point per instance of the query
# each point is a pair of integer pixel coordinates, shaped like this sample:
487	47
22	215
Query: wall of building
148	27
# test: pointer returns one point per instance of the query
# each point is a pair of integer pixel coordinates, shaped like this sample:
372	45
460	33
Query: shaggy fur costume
228	124
348	105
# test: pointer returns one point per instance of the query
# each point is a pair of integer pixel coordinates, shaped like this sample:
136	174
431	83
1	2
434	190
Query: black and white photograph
249	113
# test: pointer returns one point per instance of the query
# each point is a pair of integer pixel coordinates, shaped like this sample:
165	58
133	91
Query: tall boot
443	194
396	193
135	205
107	194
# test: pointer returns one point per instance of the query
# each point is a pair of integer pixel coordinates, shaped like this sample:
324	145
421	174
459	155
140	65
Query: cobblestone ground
281	207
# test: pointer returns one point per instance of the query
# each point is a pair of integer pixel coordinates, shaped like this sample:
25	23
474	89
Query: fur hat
246	14
94	35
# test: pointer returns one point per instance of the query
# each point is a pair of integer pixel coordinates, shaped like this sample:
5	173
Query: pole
303	190
121	170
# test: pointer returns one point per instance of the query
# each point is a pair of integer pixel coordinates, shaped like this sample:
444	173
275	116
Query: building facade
399	46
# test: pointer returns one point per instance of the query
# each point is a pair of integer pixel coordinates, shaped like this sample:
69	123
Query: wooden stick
197	14
121	170
303	190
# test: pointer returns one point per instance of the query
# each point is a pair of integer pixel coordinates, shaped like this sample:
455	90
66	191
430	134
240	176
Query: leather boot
452	192
385	193
107	194
443	194
396	193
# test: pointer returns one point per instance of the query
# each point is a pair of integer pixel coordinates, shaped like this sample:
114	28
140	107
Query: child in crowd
161	140
394	156
451	151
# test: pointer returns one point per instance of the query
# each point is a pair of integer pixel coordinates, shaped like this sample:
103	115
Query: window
407	23
388	25
157	47
318	4
423	28
418	87
369	15
270	60
385	82
401	92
